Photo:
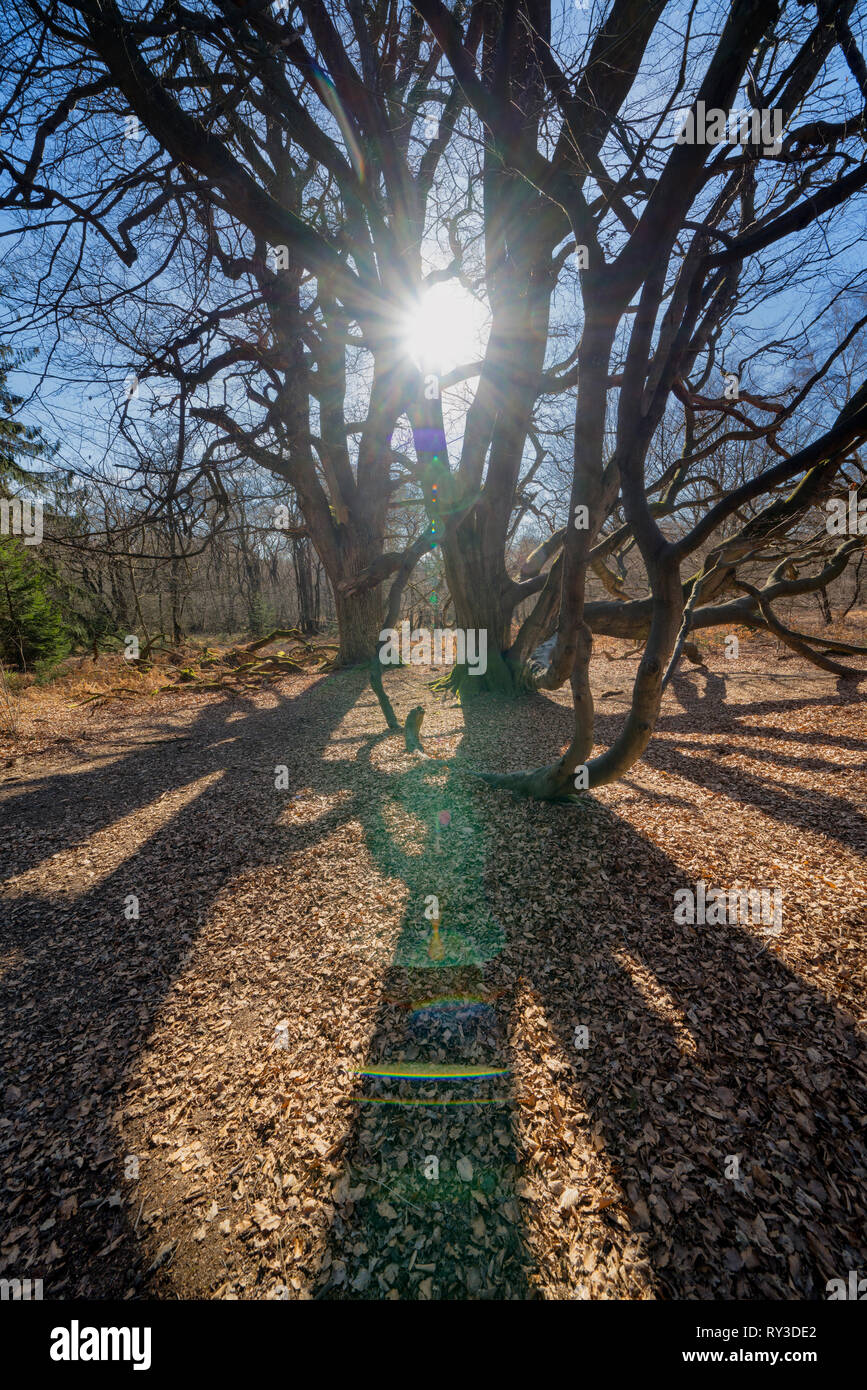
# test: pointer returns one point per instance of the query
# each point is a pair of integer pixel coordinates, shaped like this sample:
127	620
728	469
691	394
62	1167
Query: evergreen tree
32	631
20	444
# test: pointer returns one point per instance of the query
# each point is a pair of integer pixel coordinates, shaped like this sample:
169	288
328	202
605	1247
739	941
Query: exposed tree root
542	784
501	678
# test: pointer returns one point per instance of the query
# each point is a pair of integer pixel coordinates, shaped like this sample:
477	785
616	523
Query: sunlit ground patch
80	868
307	806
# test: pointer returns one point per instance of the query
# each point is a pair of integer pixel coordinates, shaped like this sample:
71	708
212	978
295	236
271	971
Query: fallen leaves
603	1172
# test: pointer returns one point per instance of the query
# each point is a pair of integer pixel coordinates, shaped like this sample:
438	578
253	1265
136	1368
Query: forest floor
186	1112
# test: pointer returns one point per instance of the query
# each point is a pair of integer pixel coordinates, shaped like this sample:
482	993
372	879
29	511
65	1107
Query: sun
447	329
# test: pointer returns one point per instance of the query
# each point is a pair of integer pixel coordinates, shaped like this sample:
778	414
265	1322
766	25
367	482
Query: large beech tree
676	237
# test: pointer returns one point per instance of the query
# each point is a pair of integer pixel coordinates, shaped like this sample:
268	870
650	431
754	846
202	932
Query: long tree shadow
85	972
723	1091
820	811
729	1090
733	716
429	1205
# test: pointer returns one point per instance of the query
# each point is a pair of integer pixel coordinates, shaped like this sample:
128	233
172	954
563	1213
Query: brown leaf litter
186	1110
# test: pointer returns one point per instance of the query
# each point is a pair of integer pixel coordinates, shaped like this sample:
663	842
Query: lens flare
388	1100
425	1071
328	94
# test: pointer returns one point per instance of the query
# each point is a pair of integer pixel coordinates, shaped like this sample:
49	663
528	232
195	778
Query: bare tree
636	274
290	161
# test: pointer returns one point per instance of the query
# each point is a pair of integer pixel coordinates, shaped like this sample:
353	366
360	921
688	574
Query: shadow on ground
702	1046
721	1093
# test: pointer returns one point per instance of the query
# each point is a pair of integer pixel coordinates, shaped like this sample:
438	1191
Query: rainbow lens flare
424	1071
328	94
388	1100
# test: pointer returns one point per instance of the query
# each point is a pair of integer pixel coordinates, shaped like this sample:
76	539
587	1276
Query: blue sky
84	386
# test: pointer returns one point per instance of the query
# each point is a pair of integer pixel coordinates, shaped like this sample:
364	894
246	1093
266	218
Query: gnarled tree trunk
359	618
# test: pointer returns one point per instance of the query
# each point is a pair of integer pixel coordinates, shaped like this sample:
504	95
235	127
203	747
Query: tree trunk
825	607
317	593
176	601
358	617
301	559
477	589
